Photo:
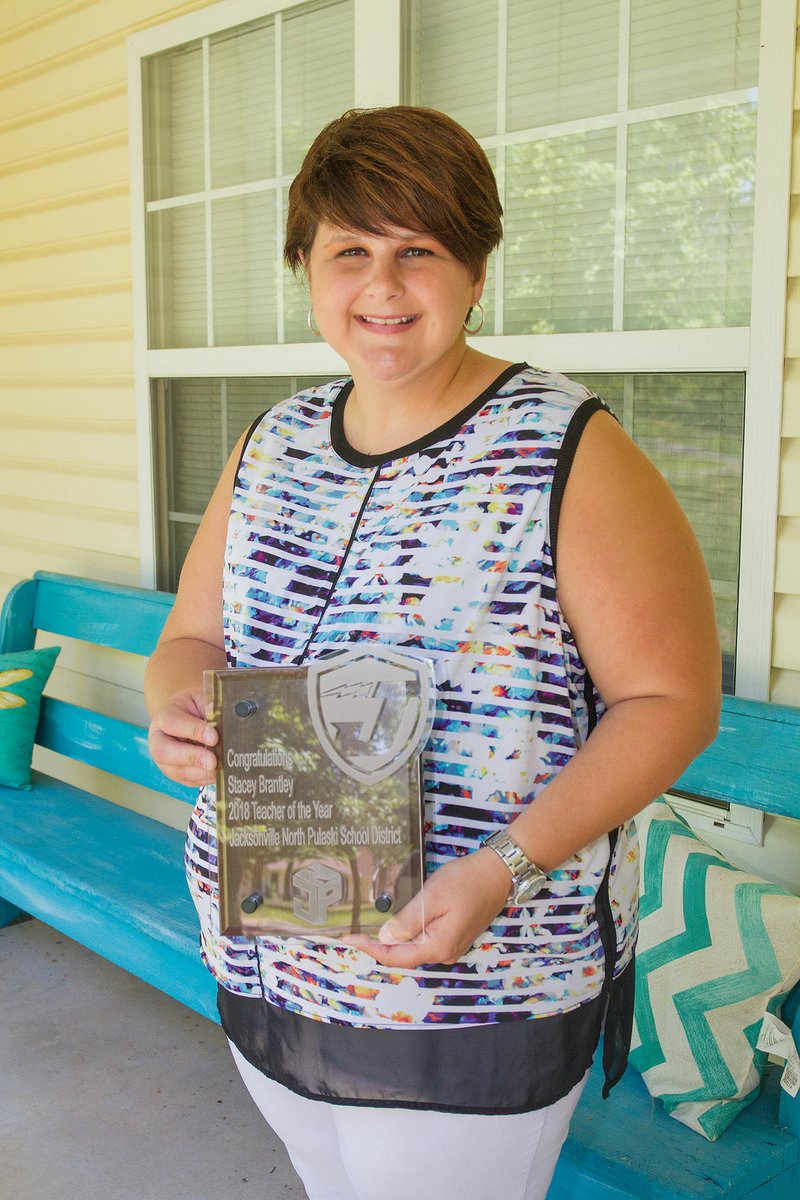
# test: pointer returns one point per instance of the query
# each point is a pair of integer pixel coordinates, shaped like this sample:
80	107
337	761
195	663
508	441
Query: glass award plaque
319	791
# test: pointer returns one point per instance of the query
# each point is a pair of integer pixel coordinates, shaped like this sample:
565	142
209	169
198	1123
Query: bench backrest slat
113	615
118	747
754	759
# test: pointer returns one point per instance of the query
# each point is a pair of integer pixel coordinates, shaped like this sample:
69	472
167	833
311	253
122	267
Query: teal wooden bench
113	880
110	878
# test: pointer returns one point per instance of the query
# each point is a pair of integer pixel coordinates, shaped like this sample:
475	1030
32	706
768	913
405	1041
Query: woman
420	505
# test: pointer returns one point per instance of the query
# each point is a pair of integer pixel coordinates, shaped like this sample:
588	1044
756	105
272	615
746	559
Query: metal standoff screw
252	902
383	903
245	708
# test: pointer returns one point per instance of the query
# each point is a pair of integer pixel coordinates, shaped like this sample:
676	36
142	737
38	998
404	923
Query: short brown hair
414	168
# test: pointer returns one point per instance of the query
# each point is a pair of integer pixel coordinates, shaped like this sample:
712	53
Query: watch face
526	891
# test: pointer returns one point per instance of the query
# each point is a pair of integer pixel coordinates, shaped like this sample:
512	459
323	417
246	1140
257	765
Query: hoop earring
310	322
479	326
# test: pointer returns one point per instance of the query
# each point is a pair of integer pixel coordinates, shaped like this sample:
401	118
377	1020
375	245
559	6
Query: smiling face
392	305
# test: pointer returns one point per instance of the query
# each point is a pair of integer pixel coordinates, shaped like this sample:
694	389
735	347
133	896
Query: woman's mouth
386	323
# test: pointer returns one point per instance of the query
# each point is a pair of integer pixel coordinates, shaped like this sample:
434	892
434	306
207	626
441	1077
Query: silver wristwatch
526	878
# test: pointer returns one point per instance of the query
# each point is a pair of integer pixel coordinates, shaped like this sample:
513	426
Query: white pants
349	1152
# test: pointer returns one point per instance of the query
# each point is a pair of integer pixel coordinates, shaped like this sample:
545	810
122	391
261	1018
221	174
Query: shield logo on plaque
370	710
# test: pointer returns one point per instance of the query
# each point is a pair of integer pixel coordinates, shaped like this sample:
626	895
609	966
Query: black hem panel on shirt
510	1066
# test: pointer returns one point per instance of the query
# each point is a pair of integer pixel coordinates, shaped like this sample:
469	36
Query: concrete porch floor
110	1090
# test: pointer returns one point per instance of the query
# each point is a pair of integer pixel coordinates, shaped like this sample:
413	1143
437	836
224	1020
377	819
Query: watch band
526	878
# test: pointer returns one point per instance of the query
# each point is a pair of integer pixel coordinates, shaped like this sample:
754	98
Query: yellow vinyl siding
68	449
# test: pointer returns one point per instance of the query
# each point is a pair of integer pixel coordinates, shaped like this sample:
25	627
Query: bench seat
110	878
628	1147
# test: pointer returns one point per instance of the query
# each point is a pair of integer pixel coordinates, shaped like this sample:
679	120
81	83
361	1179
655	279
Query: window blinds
453	61
562	61
173	88
242	106
317	73
689	220
559	252
679	48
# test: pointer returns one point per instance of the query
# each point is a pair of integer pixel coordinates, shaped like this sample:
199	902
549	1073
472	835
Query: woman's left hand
459	902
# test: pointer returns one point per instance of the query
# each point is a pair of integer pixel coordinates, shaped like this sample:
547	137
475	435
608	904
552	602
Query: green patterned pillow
22	679
717	948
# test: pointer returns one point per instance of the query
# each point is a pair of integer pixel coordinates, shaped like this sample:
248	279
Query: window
643	252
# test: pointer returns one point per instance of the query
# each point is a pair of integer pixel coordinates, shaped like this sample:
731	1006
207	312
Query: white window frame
757	350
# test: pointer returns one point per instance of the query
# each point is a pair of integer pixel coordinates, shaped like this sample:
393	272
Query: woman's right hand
180	738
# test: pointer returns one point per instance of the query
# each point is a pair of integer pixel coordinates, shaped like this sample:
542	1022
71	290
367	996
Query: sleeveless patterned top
444	549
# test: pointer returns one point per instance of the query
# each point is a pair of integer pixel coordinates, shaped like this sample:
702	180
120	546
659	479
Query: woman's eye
351	252
417	251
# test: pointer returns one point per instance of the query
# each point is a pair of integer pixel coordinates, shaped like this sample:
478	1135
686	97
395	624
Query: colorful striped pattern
717	948
443	552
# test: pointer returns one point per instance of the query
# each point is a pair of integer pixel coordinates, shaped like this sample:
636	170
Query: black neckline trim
343	448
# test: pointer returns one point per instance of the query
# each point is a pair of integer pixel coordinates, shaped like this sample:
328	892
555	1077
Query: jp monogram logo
370	710
317	887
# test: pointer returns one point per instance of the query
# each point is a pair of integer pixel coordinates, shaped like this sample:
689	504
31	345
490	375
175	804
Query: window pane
296	300
317	75
453	55
680	48
194	434
245	270
562	61
242	105
199	422
689	220
692	428
173	122
560	234
181	538
176	259
246	399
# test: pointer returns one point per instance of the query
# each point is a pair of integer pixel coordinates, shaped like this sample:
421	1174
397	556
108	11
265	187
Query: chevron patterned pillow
717	948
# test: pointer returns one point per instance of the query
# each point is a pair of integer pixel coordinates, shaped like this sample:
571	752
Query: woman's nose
384	281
